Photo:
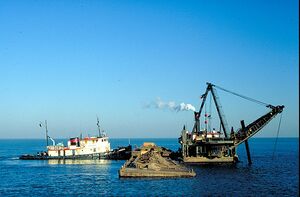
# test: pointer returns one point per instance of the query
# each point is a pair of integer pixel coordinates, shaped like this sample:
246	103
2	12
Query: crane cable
244	97
276	137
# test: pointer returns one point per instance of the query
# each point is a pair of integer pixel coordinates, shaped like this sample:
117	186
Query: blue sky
69	61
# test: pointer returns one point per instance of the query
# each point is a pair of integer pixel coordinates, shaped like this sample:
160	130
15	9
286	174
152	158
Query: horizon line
131	138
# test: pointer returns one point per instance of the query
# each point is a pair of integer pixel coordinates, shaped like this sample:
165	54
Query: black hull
121	153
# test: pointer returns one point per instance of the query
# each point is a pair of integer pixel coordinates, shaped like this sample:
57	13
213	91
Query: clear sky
69	61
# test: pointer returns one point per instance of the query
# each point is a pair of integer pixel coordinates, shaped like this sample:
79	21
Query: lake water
265	177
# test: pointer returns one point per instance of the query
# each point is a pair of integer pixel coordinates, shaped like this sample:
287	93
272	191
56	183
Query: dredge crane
210	146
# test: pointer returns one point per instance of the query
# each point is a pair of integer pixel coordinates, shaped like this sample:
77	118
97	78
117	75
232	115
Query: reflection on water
79	161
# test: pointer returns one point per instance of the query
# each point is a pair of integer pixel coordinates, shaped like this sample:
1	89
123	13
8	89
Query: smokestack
197	122
197	116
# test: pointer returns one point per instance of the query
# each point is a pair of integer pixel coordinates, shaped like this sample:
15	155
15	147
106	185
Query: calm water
265	177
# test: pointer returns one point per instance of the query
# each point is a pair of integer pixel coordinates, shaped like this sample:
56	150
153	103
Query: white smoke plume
171	105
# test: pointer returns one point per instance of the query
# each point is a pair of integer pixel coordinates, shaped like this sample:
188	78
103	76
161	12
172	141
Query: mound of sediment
153	161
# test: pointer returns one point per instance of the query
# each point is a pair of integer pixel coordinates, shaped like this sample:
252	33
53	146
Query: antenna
98	125
46	128
46	131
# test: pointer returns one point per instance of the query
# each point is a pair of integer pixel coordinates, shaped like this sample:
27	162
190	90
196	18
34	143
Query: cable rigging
278	129
244	97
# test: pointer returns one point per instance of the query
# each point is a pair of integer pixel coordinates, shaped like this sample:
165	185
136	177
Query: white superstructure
81	147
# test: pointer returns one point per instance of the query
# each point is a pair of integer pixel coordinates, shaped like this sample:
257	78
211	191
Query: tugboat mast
46	132
98	125
46	128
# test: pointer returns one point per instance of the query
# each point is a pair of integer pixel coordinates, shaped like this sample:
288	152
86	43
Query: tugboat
81	148
88	147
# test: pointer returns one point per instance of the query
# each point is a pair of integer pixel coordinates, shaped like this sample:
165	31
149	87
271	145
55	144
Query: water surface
266	176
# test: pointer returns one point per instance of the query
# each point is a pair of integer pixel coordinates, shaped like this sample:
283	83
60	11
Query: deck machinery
210	146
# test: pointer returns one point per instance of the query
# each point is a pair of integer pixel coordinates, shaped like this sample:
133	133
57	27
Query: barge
204	145
153	161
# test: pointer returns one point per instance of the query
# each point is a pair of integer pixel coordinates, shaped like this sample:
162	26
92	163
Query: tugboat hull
121	153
